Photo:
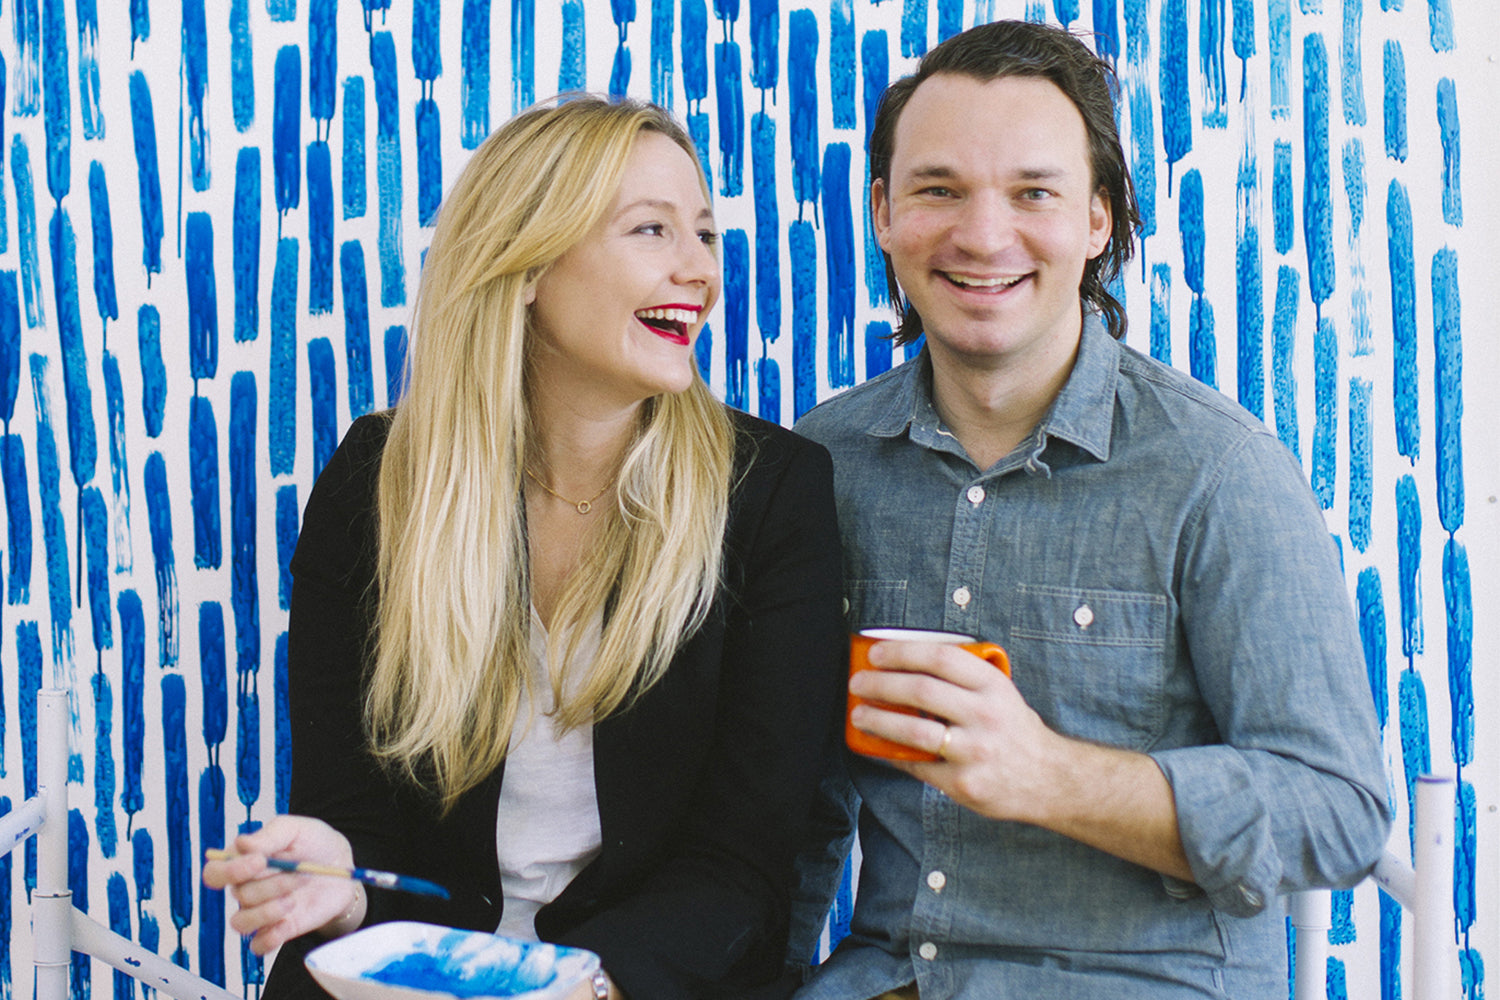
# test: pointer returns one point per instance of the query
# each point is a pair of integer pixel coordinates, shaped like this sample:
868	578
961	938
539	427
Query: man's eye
937	192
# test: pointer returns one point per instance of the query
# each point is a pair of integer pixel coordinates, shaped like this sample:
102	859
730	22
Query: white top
547	826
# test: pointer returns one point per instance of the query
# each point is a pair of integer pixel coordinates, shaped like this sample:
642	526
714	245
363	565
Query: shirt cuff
1225	826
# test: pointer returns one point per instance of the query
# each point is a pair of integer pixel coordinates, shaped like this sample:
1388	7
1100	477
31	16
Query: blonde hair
449	670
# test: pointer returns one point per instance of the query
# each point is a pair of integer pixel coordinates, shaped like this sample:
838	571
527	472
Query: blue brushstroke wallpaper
212	220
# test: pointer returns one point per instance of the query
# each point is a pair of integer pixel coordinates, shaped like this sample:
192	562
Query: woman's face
616	316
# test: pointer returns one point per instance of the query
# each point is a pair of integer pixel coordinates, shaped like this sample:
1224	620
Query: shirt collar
1082	414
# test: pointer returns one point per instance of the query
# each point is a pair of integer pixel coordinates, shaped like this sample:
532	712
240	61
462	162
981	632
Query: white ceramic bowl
405	960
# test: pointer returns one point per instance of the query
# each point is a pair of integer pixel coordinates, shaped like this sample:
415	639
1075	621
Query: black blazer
704	784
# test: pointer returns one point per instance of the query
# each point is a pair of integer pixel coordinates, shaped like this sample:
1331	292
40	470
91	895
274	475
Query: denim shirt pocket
876	604
1092	662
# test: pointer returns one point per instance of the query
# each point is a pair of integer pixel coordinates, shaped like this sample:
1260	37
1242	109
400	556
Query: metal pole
1312	916
1432	949
52	901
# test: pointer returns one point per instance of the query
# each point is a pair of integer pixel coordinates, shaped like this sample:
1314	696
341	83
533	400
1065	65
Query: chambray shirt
1162	578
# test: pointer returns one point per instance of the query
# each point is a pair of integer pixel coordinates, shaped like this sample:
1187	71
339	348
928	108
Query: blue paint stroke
10	345
1359	295
140	22
802	259
203	467
104	764
1342	929
214	676
57	107
1203	348
26	25
768	389
913	29
28	683
1326	411
619	72
1351	77
1242	36
1106	24
1284	377
876	70
765	43
1447	116
159	515
78	885
1142	114
352	160
1395	101
143	854
243	579
18	521
1403	319
662	65
322	383
203	296
242	65
522	54
572	66
282	727
54	531
1361	461
247	742
429	128
1317	184
356	329
195	87
877	348
180	860
31	272
731	118
1190	225
1471	973
119	469
1250	373
802	84
148	176
1335	978
1279	41
1416	748
1448	399
153	369
94	518
1211	25
117	894
1176	112
703	352
83	448
426	51
1161	313
767	227
102	230
247	244
1409	561
841	76
282	406
694	51
286	129
736	319
1465	857
1440	25
319	229
211	908
132	701
838	247
388	166
474	73
287	513
1458	606
395	363
286	10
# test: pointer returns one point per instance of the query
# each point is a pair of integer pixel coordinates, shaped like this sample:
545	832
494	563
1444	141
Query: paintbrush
369	876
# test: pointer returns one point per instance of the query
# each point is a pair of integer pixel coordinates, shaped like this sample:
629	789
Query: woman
565	630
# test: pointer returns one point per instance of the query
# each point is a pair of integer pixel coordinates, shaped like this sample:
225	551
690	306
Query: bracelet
600	983
354	905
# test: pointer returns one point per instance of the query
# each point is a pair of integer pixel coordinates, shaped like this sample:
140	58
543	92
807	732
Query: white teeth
960	279
687	317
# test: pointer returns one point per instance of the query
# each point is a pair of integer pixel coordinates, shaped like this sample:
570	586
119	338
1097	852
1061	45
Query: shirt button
936	881
1084	616
928	950
962	597
975	495
846	605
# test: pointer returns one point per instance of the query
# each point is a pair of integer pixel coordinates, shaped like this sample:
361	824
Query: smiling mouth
672	324
983	284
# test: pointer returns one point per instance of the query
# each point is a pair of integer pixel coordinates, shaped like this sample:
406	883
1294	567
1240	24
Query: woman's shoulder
762	446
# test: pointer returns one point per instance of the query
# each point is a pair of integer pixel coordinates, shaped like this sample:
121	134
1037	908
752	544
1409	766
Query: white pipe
52	900
1398	879
1432	948
133	960
1312	916
22	822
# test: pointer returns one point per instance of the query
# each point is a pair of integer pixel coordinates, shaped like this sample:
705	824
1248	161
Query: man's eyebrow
928	172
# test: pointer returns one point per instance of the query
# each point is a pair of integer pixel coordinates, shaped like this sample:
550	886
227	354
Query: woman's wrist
350	920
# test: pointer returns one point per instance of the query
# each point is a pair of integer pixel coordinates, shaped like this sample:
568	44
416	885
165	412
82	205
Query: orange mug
859	659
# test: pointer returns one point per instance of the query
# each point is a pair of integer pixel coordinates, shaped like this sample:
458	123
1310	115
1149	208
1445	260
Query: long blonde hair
449	670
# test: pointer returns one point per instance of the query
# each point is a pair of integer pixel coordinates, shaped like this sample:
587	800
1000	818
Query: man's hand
1002	761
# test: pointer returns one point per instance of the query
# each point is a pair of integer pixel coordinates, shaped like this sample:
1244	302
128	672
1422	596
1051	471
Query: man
1189	734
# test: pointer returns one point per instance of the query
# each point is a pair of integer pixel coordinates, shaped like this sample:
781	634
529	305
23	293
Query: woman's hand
276	906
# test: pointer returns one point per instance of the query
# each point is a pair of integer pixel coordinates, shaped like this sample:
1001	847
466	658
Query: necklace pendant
584	506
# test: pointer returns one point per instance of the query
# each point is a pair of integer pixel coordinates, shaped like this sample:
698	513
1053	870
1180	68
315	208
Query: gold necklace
582	506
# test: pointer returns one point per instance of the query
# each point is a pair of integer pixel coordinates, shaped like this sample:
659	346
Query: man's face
989	217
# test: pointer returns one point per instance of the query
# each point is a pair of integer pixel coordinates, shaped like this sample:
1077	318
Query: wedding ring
942	747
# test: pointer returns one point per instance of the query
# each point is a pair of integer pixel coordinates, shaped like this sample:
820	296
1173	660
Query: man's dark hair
1023	48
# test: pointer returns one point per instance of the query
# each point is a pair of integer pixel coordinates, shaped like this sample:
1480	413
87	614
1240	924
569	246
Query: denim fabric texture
1162	577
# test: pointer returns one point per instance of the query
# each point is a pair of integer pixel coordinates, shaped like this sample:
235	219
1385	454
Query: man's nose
986	225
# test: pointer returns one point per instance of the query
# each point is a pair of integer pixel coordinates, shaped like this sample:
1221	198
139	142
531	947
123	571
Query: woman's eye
651	229
708	237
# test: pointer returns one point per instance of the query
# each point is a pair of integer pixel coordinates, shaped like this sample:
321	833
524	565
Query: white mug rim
917	635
